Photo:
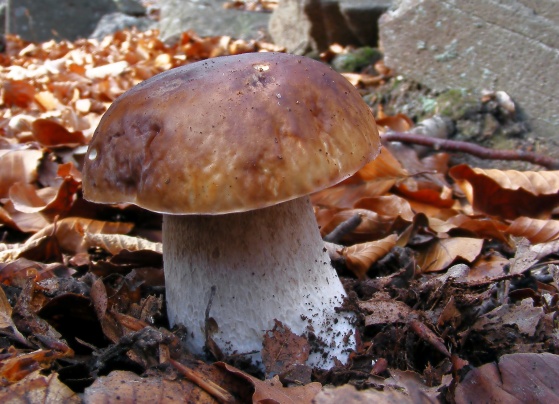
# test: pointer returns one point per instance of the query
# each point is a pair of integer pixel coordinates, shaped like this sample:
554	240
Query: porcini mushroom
228	149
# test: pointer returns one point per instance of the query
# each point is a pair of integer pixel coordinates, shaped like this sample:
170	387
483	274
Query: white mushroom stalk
265	264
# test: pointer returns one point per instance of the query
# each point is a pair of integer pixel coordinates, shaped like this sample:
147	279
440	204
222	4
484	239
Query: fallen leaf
536	230
17	166
442	253
18	92
19	367
52	134
509	194
523	316
281	349
73	233
115	243
360	257
382	311
347	394
272	391
38	388
516	378
128	387
373	179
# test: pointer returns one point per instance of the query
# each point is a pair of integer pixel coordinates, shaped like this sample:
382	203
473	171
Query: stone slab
310	26
509	45
43	20
209	18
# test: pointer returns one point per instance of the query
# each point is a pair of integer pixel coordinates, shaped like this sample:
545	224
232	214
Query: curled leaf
114	243
509	194
51	133
535	230
17	166
71	232
360	257
444	252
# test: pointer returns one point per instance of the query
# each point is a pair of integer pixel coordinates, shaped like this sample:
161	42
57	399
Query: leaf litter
452	271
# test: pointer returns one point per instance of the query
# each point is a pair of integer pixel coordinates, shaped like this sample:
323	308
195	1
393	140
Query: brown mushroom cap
230	134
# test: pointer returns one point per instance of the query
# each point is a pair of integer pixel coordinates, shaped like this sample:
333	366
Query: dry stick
344	228
216	391
473	149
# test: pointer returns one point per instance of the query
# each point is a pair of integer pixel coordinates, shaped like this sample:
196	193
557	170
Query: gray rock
508	45
113	22
209	18
310	26
131	7
43	20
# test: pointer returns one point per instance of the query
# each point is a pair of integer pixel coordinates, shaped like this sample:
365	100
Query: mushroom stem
265	264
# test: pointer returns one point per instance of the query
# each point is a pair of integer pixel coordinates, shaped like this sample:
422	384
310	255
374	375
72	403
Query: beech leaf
272	391
360	257
440	254
129	387
509	194
535	230
71	232
373	179
17	166
115	243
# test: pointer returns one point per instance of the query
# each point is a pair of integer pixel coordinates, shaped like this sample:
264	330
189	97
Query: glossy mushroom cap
230	134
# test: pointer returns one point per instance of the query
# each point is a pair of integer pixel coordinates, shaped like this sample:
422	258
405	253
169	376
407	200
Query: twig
473	149
344	228
218	392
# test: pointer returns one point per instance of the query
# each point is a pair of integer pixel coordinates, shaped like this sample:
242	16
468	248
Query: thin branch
343	229
216	391
473	149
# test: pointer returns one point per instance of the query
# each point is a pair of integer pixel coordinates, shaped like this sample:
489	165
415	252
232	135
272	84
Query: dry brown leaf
348	394
535	182
439	197
442	253
535	230
17	166
20	366
112	328
397	123
50	201
25	222
389	205
52	134
478	226
38	388
360	257
382	311
13	252
128	387
115	243
488	267
272	391
7	326
373	226
46	100
374	179
71	232
516	378
509	194
281	349
18	92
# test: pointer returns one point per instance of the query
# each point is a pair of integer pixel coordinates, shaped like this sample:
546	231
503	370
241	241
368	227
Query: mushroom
228	150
